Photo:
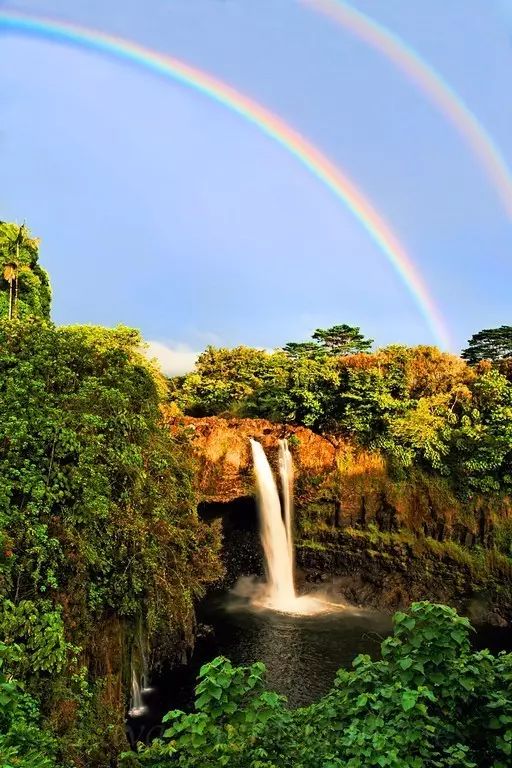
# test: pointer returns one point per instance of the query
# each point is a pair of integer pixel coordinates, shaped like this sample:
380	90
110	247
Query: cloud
174	359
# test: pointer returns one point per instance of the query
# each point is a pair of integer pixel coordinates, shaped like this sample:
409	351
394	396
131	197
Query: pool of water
301	653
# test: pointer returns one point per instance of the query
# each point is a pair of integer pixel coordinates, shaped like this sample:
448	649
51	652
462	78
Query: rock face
337	483
390	575
222	451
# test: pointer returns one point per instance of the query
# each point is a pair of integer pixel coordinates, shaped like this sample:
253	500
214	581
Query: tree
335	341
98	516
342	340
24	284
298	349
223	381
428	371
490	344
481	442
297	391
10	276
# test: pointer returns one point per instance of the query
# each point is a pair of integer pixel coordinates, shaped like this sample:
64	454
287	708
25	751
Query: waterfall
139	668
137	707
276	535
286	474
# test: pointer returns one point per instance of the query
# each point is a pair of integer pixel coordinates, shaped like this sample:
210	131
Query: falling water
139	673
275	542
277	539
286	474
137	707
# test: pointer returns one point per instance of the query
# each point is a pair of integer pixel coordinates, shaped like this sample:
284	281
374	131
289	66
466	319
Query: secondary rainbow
271	125
431	83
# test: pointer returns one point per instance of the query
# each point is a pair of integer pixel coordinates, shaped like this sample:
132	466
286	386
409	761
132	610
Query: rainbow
271	125
431	83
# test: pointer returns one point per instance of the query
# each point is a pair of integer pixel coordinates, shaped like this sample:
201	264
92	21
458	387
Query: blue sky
159	209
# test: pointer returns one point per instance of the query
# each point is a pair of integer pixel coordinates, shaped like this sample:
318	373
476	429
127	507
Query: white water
276	550
287	477
277	538
139	676
137	707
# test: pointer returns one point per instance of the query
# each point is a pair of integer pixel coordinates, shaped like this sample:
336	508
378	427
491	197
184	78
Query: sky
159	208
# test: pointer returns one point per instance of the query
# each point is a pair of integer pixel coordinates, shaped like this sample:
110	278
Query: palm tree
18	254
10	275
10	270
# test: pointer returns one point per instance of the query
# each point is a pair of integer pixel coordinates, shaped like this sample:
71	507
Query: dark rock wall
390	575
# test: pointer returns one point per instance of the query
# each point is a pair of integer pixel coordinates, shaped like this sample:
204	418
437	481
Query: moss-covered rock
391	570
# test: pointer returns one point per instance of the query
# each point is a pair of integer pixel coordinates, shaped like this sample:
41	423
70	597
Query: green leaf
408	700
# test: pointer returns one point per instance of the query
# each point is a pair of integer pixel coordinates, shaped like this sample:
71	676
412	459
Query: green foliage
98	521
299	392
420	408
481	438
24	743
490	344
298	349
96	496
429	703
21	272
342	340
337	340
223	380
37	629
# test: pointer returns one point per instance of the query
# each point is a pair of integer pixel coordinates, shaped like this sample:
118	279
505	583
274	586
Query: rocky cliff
337	483
222	451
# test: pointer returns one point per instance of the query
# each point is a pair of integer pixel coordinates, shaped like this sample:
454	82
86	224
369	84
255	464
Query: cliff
337	483
223	455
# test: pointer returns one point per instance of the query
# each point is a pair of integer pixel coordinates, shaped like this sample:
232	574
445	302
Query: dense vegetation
417	406
431	702
490	344
24	284
424	441
101	550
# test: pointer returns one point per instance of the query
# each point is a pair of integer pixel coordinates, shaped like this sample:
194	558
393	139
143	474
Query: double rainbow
271	125
431	83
